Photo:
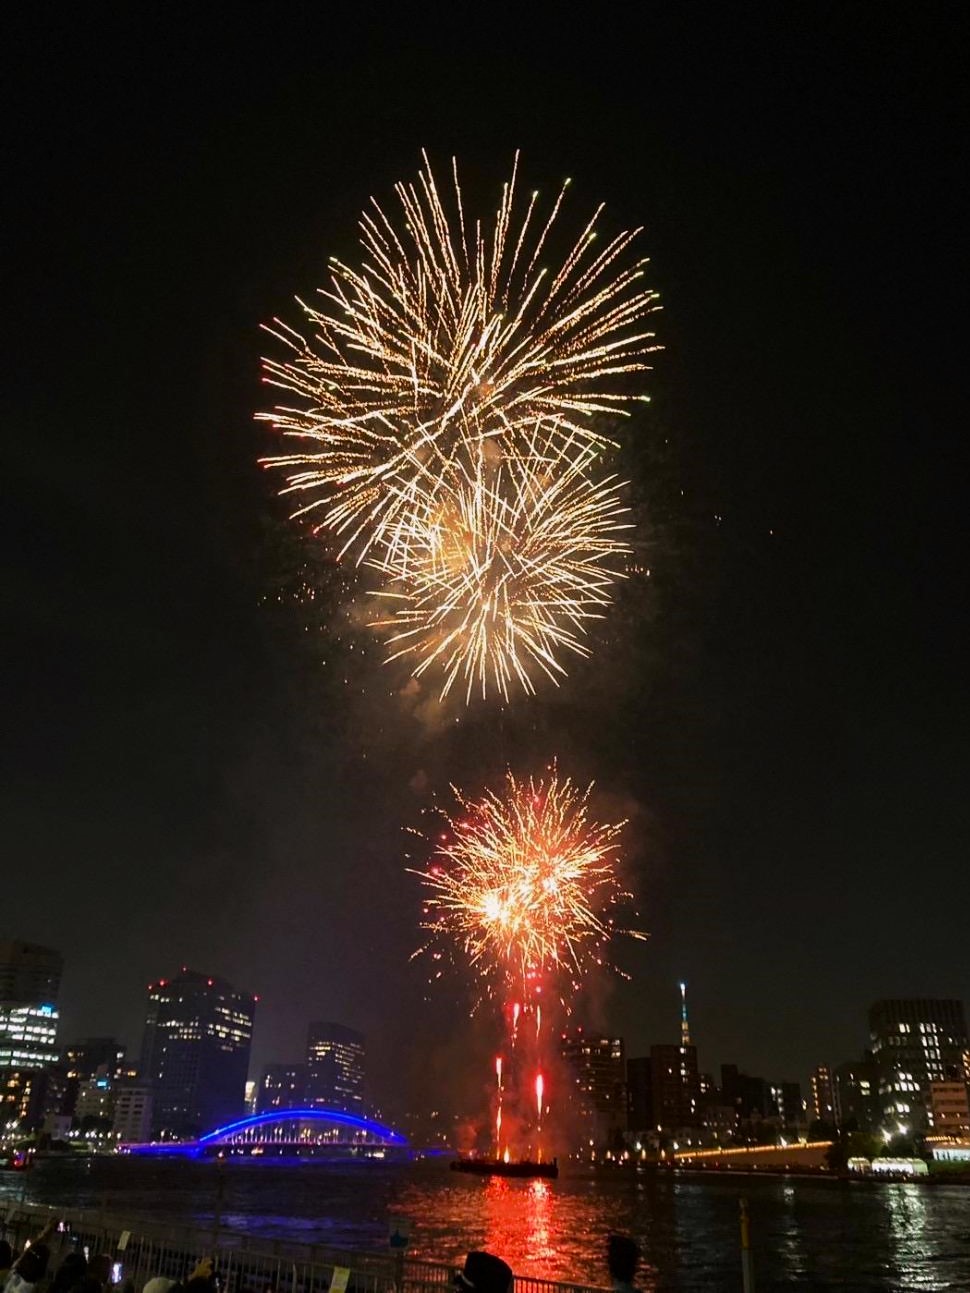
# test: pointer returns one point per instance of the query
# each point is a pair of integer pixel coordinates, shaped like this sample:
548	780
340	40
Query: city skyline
339	1048
208	766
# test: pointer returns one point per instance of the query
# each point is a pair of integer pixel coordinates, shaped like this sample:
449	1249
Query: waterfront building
854	1086
747	1095
282	1086
195	1054
249	1099
30	979
823	1095
335	1067
949	1109
785	1103
596	1071
915	1041
28	1035
132	1122
676	1088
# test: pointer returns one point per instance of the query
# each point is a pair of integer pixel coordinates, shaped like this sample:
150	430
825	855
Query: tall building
596	1071
746	1095
915	1041
30	979
855	1087
282	1086
335	1067
676	1087
785	1103
195	1053
823	1095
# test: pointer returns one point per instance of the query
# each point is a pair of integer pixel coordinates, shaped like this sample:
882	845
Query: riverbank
806	1231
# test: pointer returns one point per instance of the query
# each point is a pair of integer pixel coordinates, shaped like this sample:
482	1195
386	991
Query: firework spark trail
450	333
523	883
492	581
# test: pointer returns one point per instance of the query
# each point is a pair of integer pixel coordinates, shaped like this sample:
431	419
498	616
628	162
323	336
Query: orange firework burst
500	573
524	883
451	332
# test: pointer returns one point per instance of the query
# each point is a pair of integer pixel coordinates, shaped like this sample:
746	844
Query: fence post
747	1269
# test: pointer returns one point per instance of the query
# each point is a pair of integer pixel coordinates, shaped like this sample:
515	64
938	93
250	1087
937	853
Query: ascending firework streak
497	576
523	885
450	333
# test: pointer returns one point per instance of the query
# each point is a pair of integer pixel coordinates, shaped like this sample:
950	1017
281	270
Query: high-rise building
785	1103
282	1086
596	1070
676	1087
746	1095
30	978
855	1090
195	1054
823	1095
915	1041
335	1067
28	1035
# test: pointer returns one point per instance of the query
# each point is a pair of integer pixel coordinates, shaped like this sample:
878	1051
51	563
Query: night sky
780	708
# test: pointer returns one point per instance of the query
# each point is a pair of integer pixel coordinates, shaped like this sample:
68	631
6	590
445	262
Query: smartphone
116	1272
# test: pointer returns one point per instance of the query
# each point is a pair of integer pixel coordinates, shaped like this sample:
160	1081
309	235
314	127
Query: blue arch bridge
287	1133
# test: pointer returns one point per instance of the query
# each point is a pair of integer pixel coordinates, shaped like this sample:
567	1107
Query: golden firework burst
449	333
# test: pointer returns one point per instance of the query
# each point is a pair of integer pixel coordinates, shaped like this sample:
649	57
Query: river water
806	1233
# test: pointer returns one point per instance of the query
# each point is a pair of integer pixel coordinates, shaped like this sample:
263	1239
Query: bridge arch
245	1128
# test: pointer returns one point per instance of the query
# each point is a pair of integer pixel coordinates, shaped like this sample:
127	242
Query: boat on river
520	1169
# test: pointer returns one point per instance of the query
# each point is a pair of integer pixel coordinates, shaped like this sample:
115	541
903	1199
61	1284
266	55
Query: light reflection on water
805	1233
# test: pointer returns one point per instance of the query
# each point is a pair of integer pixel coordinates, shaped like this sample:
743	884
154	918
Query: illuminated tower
684	1025
196	1052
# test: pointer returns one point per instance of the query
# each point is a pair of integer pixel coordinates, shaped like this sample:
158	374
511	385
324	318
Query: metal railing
245	1264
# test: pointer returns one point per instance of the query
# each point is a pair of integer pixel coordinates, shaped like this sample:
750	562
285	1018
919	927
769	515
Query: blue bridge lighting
280	1116
245	1132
